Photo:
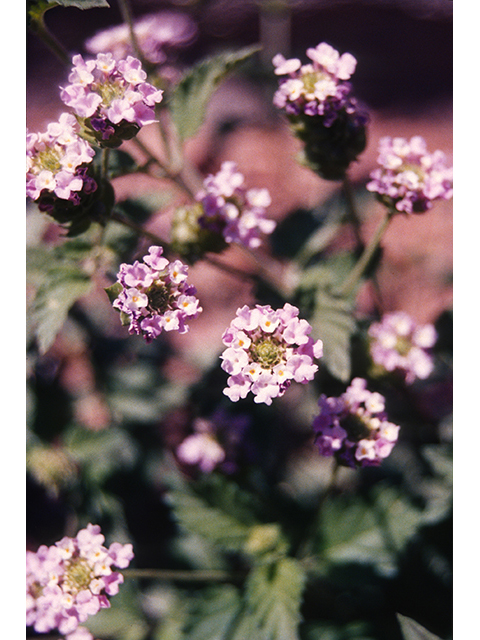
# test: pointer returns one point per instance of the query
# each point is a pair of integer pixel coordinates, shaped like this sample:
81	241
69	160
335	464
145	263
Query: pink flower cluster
266	350
410	178
155	295
233	211
318	88
154	33
71	580
57	161
354	427
398	343
108	94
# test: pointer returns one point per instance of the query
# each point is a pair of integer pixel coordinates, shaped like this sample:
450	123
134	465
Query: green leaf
411	630
84	4
197	516
273	596
331	316
372	532
215	614
195	89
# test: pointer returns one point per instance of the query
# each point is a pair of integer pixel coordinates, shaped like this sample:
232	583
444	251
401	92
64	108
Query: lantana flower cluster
225	212
266	351
319	88
398	343
216	442
72	579
155	34
111	98
155	295
57	162
354	427
410	178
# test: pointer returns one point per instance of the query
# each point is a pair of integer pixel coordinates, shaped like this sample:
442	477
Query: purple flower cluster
319	88
108	95
57	161
398	343
410	178
266	350
215	442
154	33
71	580
233	211
155	295
354	427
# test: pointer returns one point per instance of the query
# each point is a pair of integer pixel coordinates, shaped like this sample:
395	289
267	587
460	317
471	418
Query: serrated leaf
273	596
334	324
411	630
52	305
215	614
198	517
195	89
84	4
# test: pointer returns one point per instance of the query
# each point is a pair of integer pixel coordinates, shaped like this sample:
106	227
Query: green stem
127	17
174	575
353	279
38	26
352	216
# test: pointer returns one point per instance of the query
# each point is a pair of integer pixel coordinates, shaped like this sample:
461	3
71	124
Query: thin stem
353	216
38	26
359	269
174	575
126	12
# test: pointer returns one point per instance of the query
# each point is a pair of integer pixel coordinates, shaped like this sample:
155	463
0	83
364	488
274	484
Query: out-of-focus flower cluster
225	212
155	34
57	163
266	350
155	295
215	442
318	88
72	579
111	98
410	178
354	427
398	343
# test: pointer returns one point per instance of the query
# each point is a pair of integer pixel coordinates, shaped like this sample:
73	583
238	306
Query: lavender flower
225	212
318	88
266	350
154	295
155	35
215	442
410	178
57	161
111	98
398	343
71	580
354	427
319	102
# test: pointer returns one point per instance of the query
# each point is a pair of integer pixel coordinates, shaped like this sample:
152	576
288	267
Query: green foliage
193	93
331	316
61	278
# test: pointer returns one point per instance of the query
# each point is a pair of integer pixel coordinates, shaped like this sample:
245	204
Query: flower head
225	212
71	580
318	88
110	97
155	295
398	343
354	427
266	351
216	442
156	34
56	161
410	178
318	100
